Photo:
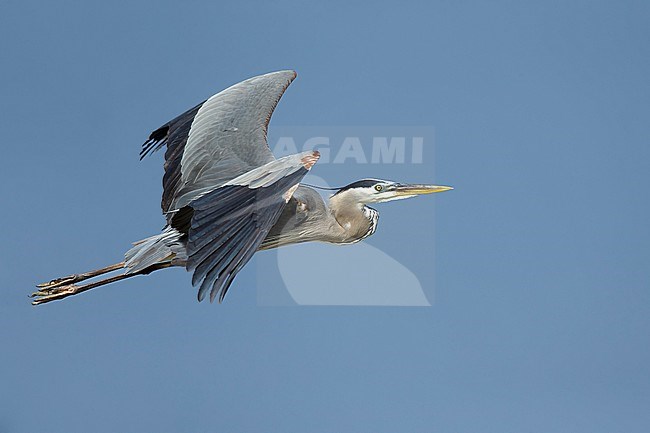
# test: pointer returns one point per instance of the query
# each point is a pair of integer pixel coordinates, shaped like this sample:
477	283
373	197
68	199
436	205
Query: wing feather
218	139
230	222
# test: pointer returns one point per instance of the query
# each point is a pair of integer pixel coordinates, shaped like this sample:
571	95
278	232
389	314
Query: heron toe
57	282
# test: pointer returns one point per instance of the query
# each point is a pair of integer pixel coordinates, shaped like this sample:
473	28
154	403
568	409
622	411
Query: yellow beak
420	189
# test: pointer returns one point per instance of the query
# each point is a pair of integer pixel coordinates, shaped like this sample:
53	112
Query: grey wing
219	139
305	218
230	222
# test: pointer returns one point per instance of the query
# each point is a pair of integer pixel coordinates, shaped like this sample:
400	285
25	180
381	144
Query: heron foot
48	294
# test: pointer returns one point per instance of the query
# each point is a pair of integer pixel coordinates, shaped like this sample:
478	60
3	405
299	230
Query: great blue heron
225	196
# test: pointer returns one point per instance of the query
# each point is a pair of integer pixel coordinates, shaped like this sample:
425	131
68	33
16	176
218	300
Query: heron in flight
225	196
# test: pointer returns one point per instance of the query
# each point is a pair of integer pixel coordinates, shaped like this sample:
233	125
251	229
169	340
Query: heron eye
378	188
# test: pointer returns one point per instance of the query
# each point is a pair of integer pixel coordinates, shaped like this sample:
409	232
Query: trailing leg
56	291
75	278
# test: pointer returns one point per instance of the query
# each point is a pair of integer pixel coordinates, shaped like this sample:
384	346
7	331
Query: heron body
225	196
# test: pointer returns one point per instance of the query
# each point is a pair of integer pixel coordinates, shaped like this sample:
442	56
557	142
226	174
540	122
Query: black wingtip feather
156	140
159	138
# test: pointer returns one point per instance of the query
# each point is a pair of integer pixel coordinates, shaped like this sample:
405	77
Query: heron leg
48	294
75	278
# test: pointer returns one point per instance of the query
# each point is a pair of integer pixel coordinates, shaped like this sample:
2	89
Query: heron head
378	191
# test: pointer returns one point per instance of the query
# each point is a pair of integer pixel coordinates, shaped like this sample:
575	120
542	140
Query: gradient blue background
541	318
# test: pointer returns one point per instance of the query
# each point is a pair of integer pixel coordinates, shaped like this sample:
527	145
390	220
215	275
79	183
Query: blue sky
540	320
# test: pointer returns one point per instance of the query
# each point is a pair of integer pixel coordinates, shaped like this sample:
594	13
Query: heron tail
163	247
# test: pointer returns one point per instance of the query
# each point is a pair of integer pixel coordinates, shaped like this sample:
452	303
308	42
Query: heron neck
355	219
